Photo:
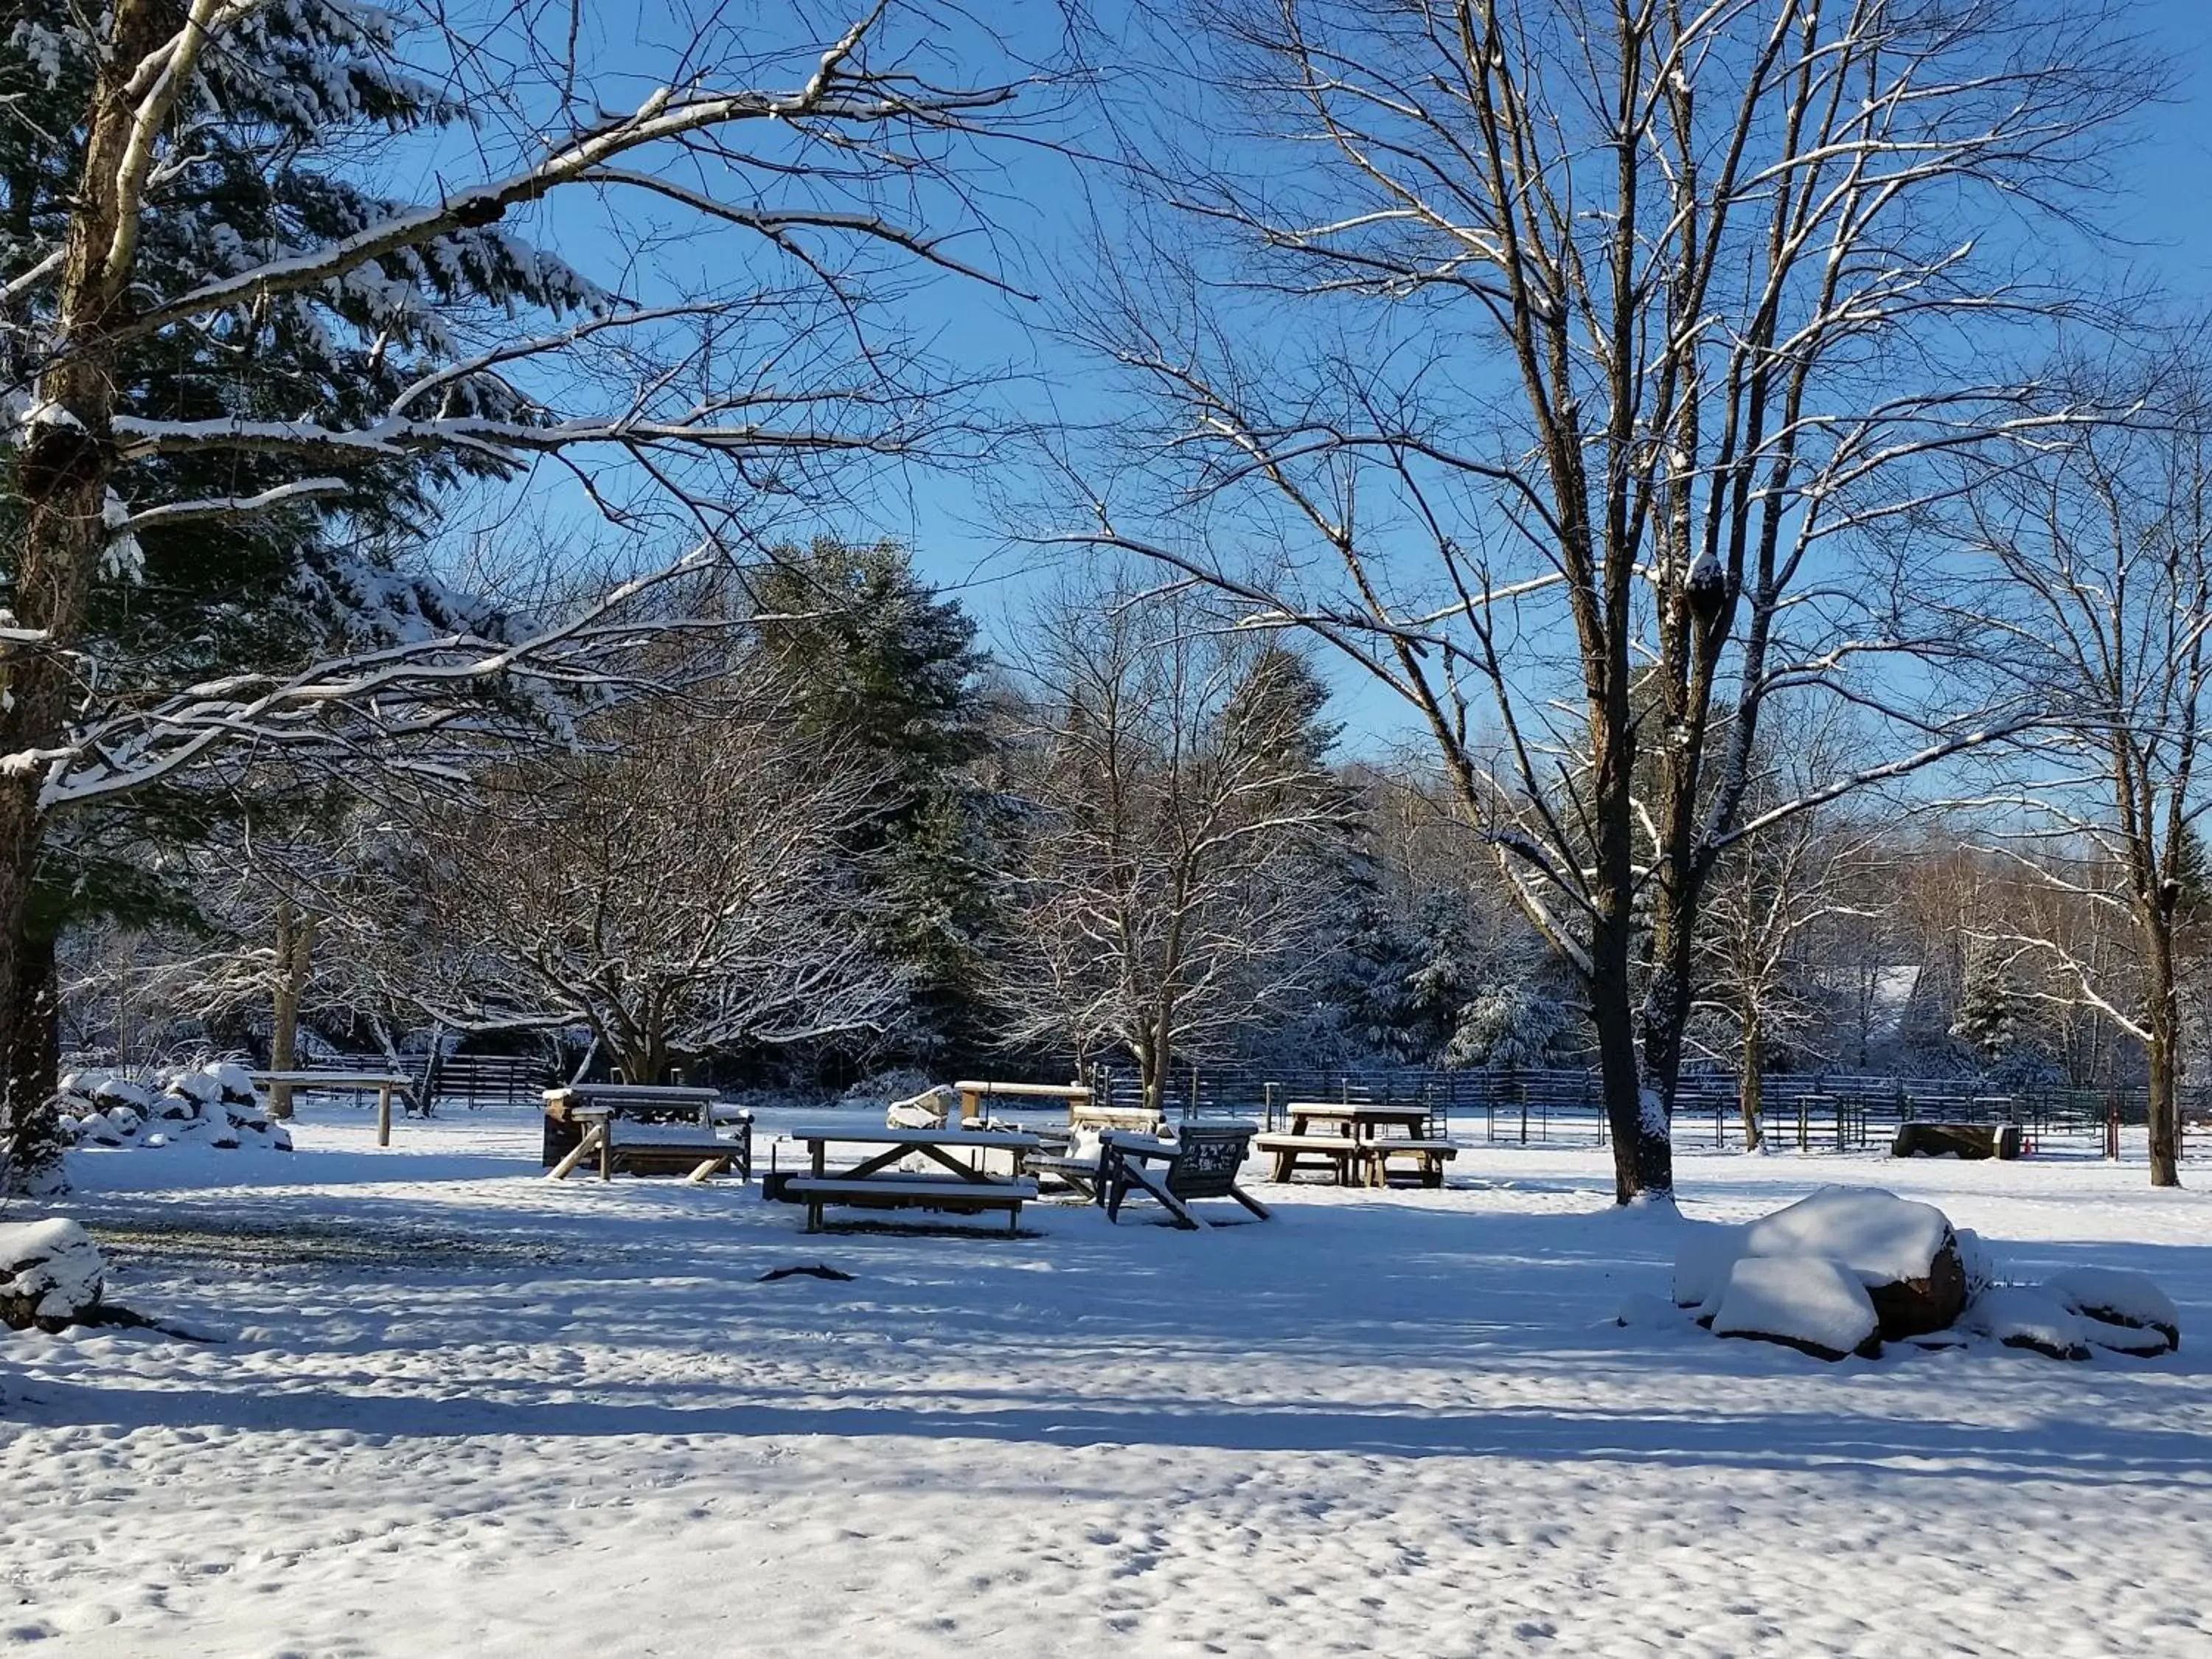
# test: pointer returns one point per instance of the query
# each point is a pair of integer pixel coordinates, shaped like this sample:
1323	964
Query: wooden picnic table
875	1183
1355	1141
974	1093
348	1082
644	1129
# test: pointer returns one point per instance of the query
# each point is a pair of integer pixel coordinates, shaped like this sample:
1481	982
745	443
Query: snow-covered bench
1201	1162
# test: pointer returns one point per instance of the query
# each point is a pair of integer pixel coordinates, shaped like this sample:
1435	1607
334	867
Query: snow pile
195	1106
1804	1302
50	1274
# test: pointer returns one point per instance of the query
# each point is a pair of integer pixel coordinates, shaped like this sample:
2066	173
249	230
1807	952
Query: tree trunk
30	1158
1750	1090
2163	1055
61	476
1643	1154
295	958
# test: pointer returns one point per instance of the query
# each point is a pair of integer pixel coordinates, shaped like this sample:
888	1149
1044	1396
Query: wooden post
384	1114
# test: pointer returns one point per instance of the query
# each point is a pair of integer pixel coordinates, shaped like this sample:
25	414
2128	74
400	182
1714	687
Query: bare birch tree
1572	346
1179	817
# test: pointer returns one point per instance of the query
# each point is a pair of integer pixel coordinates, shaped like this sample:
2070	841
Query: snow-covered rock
2027	1317
234	1083
1809	1303
2115	1297
199	1086
50	1274
1905	1253
119	1092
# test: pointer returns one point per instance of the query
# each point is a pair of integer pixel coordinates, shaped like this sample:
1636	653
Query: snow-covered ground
458	1411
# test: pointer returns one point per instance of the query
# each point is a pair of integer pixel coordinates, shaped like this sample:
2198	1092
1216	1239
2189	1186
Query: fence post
2112	1127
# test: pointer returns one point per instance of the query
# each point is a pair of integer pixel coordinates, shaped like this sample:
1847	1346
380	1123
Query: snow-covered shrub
883	1088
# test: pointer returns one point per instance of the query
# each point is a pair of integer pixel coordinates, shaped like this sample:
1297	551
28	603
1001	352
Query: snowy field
457	1411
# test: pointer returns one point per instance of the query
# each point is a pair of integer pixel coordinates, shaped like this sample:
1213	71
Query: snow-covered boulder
50	1274
1905	1253
119	1092
234	1083
2114	1297
198	1086
2027	1317
1809	1303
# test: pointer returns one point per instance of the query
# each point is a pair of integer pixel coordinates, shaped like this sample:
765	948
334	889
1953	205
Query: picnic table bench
964	1188
1201	1162
645	1130
1348	1140
385	1084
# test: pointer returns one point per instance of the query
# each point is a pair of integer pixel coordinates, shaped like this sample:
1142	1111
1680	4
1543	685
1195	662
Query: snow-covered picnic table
883	1181
644	1129
385	1084
974	1092
1355	1140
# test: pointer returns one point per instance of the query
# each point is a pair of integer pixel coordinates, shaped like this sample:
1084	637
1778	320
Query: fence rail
1812	1111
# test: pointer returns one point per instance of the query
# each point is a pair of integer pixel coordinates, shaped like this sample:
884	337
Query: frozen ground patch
1399	1423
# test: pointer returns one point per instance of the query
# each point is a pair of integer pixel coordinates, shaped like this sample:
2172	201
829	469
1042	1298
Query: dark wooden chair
1202	1162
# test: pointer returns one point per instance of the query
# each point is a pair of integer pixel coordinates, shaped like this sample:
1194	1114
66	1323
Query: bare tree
1179	813
1765	903
2100	578
680	887
821	148
1617	328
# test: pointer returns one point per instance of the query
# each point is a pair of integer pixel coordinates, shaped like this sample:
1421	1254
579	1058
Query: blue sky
1037	208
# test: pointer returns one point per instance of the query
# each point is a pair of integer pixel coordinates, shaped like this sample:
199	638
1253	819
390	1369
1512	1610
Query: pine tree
877	661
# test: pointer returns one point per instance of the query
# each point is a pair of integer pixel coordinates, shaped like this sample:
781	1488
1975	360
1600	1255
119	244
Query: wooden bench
1201	1162
1336	1155
1080	1170
1920	1139
1137	1119
1428	1157
645	1130
385	1083
907	1191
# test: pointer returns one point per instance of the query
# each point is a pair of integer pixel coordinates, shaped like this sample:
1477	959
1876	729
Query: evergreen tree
877	661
